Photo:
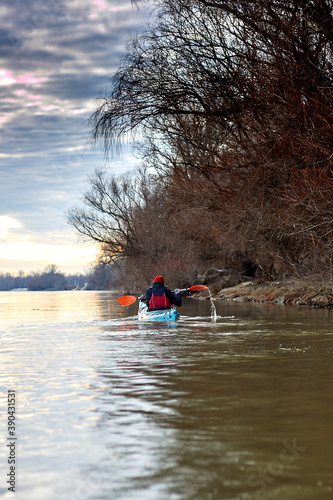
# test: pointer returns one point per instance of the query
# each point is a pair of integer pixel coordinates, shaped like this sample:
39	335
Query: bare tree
108	211
234	101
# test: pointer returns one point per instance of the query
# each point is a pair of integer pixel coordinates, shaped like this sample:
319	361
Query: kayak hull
159	315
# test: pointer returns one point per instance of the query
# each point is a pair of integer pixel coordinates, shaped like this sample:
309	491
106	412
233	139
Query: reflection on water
113	408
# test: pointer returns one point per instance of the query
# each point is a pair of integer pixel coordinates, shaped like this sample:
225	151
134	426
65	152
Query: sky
56	58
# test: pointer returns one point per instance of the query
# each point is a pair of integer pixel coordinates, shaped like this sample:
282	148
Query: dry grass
300	292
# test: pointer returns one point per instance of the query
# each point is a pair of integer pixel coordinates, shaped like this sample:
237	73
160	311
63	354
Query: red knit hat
159	279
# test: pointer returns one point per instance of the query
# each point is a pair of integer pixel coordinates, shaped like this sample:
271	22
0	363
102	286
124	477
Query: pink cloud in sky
100	4
35	103
28	78
7	78
50	107
124	7
3	119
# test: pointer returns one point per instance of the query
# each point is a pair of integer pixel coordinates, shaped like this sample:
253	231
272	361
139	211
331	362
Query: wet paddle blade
127	300
197	288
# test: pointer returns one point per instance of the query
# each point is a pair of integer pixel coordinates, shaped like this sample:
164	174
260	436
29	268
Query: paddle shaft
127	300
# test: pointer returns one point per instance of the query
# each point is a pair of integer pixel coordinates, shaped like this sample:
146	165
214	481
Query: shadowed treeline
51	278
232	102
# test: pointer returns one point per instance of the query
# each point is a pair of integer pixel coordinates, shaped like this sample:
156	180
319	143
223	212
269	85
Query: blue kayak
159	315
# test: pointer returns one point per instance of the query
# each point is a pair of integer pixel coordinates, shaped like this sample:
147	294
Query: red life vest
157	302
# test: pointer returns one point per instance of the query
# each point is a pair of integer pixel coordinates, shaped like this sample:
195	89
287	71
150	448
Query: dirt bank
299	292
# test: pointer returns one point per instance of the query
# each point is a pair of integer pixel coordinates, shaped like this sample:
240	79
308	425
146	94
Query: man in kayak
158	296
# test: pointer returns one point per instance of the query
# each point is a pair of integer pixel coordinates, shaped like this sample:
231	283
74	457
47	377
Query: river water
110	408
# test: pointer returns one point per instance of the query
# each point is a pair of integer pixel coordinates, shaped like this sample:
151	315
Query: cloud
6	224
55	60
7	78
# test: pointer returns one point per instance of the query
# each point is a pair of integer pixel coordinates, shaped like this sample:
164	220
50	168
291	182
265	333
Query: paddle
194	288
127	300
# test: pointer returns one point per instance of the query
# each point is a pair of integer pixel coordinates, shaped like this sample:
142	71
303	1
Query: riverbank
312	293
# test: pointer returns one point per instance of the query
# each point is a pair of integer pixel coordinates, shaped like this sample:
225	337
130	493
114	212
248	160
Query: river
110	408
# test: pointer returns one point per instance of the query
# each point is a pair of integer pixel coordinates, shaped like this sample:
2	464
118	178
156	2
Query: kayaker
158	296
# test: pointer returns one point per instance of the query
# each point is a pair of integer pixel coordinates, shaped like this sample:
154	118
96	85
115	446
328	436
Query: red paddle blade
127	300
196	288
